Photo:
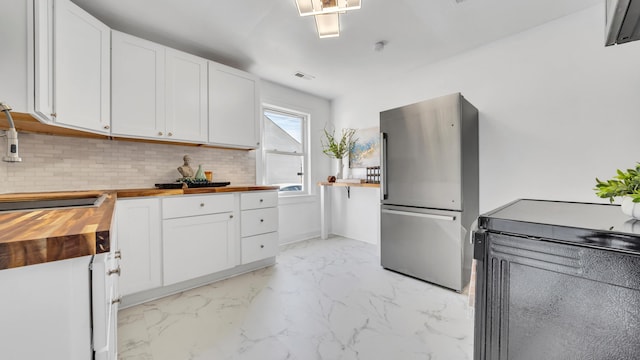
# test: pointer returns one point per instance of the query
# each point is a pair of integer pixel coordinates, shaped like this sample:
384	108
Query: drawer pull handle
114	271
201	204
118	254
261	246
230	216
116	300
261	220
160	133
261	200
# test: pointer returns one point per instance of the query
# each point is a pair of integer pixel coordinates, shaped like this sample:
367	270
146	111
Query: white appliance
60	310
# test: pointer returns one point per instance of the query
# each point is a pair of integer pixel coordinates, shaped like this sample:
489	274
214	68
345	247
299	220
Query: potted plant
625	184
338	149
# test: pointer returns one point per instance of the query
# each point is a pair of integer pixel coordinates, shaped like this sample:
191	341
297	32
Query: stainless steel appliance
429	189
622	21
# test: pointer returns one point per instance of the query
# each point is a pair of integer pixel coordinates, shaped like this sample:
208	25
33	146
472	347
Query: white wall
300	215
557	109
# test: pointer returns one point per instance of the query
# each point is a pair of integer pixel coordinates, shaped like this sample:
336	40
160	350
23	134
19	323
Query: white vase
347	170
630	208
339	172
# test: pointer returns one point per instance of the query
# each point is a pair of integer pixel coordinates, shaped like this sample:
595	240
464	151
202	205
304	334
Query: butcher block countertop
29	237
127	193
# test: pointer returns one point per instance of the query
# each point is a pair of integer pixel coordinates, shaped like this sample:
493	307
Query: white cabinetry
233	107
158	92
137	80
203	238
199	236
138	231
186	96
259	225
46	311
71	67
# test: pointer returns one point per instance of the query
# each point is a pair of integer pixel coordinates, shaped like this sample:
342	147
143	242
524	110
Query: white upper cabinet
72	67
158	92
137	82
186	96
68	69
233	107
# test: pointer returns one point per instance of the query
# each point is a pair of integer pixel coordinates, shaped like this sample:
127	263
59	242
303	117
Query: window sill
297	199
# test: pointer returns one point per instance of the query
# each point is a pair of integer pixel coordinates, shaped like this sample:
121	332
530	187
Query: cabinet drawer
259	221
258	200
259	247
183	206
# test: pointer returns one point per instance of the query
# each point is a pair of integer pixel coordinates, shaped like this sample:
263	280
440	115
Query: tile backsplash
52	163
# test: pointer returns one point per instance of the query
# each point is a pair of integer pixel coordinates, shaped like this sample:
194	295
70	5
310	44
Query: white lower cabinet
259	247
197	246
259	221
173	243
138	230
259	225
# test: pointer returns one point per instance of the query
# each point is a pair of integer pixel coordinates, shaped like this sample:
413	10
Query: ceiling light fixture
326	13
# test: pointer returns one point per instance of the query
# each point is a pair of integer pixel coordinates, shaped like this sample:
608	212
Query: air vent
302	75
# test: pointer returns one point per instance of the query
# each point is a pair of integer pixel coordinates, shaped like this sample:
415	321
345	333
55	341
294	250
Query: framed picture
366	151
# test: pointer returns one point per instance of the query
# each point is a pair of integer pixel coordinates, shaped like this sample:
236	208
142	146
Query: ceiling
269	38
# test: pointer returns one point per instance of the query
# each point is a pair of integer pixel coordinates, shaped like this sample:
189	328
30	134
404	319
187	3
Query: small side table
324	209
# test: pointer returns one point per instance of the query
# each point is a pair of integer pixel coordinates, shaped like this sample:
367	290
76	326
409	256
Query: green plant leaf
624	183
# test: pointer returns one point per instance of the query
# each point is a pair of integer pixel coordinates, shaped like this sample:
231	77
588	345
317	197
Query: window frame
306	149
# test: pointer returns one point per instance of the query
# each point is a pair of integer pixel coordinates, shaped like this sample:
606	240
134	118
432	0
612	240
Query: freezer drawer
423	243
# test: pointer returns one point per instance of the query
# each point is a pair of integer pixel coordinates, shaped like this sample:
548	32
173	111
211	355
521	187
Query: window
285	150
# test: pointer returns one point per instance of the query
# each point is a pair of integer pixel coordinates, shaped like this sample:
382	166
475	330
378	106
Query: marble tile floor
324	299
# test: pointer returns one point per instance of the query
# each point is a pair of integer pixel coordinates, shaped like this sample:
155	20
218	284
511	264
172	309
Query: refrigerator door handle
383	166
429	216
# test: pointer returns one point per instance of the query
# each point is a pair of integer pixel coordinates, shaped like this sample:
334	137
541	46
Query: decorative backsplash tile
52	163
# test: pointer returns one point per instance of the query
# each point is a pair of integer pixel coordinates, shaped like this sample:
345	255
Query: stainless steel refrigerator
429	189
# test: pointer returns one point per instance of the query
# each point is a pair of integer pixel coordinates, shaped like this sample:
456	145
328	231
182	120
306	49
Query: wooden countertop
370	185
29	237
127	193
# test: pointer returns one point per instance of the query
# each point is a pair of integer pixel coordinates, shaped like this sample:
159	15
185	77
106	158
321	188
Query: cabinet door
137	82
43	60
197	246
81	66
138	234
233	107
186	97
